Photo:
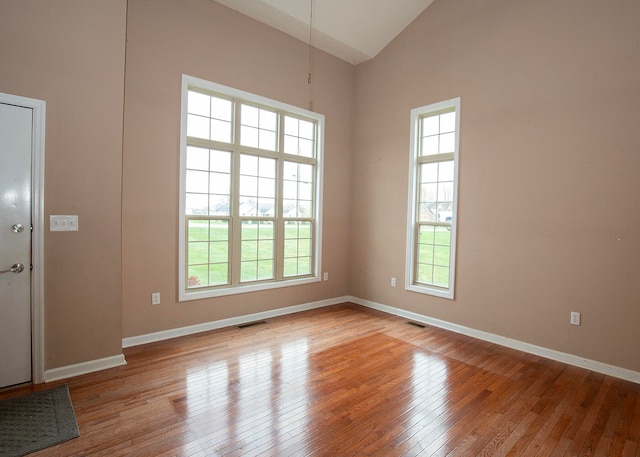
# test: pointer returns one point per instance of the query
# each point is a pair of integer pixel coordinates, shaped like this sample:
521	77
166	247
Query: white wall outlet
155	298
575	318
66	223
393	282
325	276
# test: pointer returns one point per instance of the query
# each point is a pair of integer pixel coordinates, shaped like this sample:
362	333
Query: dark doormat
36	421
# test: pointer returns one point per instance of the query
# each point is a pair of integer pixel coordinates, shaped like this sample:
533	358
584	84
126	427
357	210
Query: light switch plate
67	223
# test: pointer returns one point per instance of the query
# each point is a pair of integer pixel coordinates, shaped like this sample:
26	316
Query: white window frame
185	294
412	224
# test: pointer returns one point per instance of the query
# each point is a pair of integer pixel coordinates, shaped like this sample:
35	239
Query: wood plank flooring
346	381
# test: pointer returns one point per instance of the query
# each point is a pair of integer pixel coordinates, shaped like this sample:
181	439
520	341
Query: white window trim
183	293
410	285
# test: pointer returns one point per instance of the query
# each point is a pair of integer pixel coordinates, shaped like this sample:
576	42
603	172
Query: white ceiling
353	30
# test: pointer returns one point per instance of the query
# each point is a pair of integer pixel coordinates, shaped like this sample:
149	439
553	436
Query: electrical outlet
393	282
575	318
155	298
325	276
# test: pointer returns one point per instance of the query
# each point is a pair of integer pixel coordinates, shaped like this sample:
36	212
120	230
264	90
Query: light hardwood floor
346	381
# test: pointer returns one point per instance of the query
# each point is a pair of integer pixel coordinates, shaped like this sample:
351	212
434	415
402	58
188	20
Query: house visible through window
431	235
250	204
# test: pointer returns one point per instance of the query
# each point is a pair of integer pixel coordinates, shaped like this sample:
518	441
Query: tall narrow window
250	203
431	233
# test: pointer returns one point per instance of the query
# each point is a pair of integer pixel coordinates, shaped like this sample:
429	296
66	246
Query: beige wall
549	214
204	39
70	53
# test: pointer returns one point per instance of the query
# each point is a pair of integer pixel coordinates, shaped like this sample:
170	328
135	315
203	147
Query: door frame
37	234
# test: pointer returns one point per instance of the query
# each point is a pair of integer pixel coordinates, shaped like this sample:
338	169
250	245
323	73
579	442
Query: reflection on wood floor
346	381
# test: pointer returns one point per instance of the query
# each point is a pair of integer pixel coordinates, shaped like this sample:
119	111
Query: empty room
320	227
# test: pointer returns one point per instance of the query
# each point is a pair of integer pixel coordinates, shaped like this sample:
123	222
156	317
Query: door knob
15	268
17	228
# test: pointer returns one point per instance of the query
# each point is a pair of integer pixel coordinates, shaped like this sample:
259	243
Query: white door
16	125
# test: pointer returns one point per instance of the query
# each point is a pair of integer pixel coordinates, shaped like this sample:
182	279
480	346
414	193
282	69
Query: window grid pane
209	117
437	134
208	182
257	250
298	137
258	128
257	186
297	190
297	248
435	197
433	256
207	253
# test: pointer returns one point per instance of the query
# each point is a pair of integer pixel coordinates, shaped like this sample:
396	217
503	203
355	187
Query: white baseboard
111	362
570	359
56	374
213	325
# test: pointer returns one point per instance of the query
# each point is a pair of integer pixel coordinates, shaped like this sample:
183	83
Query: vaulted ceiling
352	30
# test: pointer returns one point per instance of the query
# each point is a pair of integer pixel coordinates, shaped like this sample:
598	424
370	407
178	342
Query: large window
250	192
431	234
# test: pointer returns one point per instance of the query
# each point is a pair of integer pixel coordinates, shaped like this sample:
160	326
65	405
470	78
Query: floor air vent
416	324
250	324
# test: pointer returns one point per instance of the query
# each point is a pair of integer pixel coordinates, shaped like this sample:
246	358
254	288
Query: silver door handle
15	268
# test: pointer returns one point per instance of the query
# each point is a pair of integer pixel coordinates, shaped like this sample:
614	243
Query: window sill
256	287
442	293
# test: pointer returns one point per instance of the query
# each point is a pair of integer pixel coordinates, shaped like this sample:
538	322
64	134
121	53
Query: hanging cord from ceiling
310	55
310	40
